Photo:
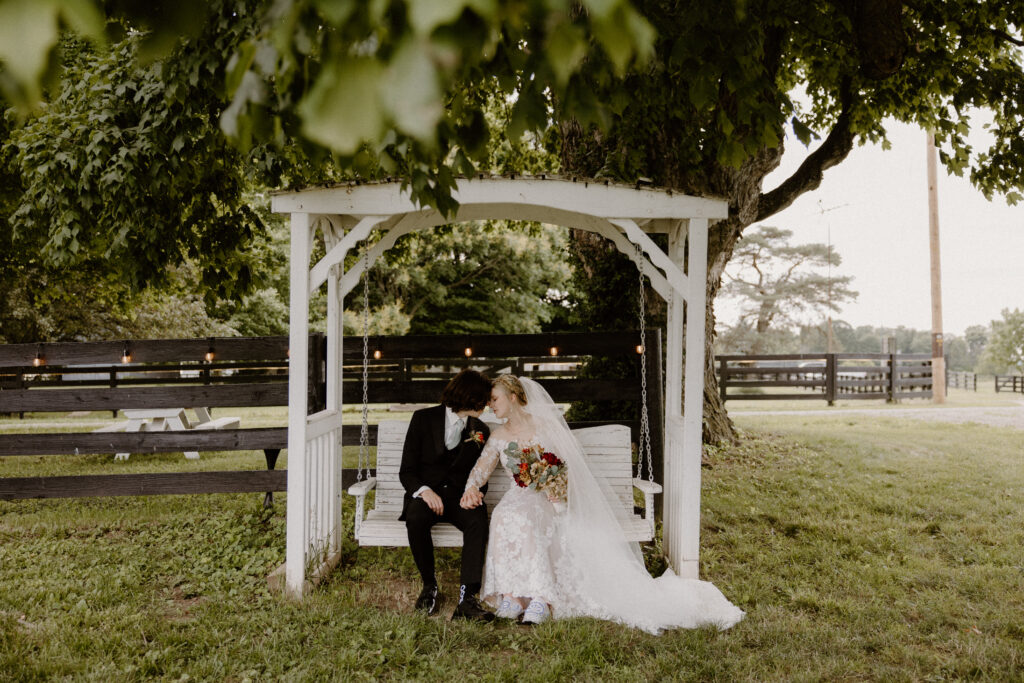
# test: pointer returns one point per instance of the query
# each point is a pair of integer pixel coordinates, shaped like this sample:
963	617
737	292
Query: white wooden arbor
346	215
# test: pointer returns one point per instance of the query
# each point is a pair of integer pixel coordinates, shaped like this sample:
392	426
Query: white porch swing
346	215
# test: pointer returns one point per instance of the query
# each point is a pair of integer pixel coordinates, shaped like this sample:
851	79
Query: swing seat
607	447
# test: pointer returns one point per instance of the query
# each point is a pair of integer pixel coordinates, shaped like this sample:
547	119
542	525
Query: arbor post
298	397
683	428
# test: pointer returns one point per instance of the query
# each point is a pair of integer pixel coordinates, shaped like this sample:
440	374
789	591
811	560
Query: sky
874	205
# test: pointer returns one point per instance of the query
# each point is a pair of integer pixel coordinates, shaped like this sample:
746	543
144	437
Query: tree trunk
647	140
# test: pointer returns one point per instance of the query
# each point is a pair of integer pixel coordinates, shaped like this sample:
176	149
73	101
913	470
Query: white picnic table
168	419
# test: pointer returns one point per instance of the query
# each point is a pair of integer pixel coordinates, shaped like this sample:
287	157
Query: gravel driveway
1012	417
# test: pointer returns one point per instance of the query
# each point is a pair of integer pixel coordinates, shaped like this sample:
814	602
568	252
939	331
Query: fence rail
961	380
1012	383
825	376
243	372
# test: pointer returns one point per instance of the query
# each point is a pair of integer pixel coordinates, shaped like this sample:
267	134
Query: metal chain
644	447
364	431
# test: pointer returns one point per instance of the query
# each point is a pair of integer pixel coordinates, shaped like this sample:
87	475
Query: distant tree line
996	348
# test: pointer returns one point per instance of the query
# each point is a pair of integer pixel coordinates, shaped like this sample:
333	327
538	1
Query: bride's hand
471	498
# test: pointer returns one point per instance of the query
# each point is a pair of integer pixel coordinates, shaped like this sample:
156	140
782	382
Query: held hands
433	502
471	498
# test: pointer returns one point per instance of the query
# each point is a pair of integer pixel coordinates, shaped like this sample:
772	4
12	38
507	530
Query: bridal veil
601	572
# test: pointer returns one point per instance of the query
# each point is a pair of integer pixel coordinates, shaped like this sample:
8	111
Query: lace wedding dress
579	559
523	544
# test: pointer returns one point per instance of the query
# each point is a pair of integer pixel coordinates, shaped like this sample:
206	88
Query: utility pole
938	361
830	336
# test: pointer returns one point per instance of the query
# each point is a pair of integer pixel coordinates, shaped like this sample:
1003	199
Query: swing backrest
608	450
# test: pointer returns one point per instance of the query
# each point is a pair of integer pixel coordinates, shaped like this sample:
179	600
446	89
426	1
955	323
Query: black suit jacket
426	461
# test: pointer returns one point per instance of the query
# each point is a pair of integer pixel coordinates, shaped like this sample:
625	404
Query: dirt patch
179	607
397	593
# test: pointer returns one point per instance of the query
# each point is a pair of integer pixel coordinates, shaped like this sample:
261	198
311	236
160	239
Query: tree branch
832	151
1007	37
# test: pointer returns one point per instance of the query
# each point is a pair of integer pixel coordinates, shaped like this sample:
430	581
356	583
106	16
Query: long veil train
601	571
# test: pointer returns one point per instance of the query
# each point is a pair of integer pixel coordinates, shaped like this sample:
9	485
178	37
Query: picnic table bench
168	419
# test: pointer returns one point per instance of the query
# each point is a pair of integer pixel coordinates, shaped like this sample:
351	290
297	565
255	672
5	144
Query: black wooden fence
1012	383
228	372
825	376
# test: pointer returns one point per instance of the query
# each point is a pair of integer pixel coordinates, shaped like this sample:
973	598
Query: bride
546	563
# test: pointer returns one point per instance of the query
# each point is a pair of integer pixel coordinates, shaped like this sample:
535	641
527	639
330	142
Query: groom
441	447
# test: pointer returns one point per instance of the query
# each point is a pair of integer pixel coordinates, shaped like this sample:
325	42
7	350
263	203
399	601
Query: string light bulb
553	351
468	351
126	355
210	353
376	354
639	349
40	359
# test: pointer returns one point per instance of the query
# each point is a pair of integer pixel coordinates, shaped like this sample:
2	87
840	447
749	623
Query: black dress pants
419	519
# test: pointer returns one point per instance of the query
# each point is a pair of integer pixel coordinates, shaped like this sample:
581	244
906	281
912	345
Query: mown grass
861	549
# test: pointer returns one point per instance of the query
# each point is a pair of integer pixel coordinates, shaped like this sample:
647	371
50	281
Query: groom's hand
471	498
433	502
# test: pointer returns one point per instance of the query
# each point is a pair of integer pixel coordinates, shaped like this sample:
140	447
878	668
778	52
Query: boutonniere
475	437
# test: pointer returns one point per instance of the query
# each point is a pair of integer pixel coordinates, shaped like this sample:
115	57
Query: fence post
723	377
893	380
113	384
830	378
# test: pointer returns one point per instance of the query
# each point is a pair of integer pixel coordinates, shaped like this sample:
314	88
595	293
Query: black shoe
429	600
470	608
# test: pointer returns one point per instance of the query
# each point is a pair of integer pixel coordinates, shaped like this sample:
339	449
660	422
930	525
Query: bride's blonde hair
512	386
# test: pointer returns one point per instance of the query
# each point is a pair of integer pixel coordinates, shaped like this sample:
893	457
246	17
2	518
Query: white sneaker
509	609
536	613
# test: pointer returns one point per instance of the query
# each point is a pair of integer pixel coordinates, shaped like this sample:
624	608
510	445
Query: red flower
551	459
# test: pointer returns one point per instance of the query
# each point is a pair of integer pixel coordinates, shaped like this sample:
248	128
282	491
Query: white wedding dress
578	559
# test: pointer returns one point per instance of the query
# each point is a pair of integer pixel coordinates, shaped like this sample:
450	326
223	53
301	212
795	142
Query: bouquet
534	468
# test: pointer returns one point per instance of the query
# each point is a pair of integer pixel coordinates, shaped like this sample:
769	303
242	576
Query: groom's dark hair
468	390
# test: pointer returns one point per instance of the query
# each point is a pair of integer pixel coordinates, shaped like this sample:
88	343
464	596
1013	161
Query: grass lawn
862	548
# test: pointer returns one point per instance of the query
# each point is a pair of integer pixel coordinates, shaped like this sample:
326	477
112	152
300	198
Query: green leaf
600	9
238	65
84	17
702	91
28	32
336	12
731	153
411	90
566	49
803	133
343	108
615	42
425	16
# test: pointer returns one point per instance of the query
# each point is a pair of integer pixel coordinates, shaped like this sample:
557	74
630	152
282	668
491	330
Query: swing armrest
649	489
361	488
